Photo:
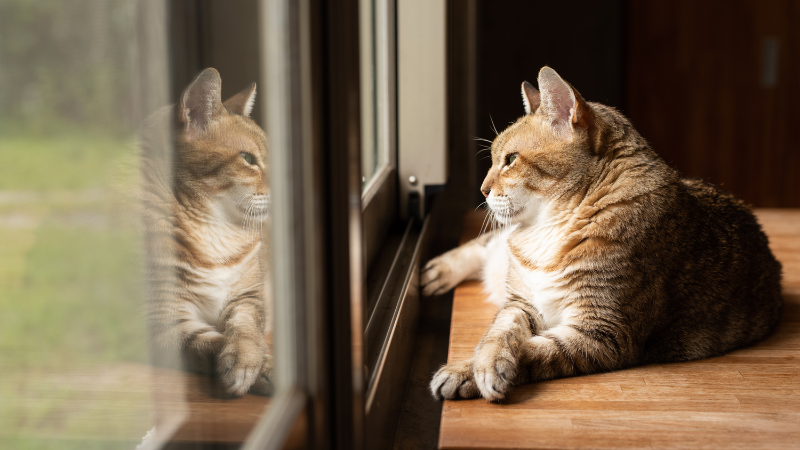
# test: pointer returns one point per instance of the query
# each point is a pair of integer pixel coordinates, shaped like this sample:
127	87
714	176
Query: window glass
369	144
72	330
376	50
91	354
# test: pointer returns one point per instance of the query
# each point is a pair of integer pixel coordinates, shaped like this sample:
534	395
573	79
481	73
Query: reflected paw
264	384
239	365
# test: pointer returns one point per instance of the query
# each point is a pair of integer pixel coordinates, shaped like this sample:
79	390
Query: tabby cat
605	258
204	207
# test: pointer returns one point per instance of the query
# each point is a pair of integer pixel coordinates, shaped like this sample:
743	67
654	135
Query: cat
204	205
605	257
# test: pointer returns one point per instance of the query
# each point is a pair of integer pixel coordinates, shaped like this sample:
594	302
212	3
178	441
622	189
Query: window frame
285	76
379	198
310	62
395	235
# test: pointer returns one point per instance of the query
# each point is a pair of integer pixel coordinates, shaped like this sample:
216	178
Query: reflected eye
511	158
248	157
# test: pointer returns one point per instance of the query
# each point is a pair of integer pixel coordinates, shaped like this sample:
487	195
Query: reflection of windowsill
194	407
746	399
209	418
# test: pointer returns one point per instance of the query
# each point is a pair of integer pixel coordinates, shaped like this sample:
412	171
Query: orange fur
206	198
613	260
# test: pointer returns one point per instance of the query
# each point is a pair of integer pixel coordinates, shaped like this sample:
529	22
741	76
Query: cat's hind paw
454	381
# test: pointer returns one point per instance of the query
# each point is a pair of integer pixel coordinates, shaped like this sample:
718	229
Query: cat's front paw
454	381
264	384
438	276
240	364
494	369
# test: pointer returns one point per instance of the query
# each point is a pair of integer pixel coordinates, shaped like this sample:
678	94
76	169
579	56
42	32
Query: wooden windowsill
208	416
749	398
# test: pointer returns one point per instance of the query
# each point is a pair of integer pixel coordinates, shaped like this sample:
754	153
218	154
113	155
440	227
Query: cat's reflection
206	200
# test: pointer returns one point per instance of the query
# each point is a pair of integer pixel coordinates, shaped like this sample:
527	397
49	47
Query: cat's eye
248	157
511	158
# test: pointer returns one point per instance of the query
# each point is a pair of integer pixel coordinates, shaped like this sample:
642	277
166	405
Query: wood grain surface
748	399
208	416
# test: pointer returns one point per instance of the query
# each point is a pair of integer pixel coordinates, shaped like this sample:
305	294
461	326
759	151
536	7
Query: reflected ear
242	103
530	97
562	104
200	102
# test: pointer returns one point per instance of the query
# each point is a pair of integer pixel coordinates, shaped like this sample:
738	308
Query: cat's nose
486	192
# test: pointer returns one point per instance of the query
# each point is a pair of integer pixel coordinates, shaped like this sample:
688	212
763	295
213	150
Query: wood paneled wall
696	89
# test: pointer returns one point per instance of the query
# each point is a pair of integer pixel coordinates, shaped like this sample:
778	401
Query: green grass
77	300
71	301
38	443
70	161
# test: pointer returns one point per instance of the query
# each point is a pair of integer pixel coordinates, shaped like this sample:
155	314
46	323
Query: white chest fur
495	267
547	294
216	285
533	248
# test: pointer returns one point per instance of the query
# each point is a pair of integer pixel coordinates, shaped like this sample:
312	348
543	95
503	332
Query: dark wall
582	40
714	86
223	35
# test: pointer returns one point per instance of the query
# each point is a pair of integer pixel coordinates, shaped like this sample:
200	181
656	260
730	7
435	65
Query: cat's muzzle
501	207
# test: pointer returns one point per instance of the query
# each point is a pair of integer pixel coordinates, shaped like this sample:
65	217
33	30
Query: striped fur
204	208
606	258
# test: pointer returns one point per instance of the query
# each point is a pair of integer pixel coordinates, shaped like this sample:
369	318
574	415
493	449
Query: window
76	79
82	86
403	116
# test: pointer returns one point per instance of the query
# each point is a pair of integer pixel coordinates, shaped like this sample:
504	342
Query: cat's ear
530	97
201	102
562	104
242	103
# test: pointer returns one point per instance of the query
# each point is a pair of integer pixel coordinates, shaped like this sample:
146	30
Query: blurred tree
54	74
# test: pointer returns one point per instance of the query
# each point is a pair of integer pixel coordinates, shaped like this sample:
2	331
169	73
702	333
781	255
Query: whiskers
256	211
499	216
242	199
494	128
488	220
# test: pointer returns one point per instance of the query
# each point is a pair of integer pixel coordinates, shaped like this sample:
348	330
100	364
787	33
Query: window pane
95	352
369	144
72	330
376	115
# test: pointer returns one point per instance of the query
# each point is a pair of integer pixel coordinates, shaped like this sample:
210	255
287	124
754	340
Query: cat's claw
437	277
454	381
494	370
